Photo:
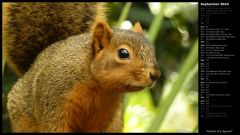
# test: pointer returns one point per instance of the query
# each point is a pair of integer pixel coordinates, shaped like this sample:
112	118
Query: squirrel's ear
138	28
102	35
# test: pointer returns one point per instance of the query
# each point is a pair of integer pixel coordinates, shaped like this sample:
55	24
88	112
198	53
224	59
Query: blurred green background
172	105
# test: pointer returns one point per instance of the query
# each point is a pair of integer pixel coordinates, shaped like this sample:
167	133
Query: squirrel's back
28	28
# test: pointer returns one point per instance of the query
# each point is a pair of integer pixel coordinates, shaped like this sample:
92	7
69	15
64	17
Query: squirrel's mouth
138	87
135	87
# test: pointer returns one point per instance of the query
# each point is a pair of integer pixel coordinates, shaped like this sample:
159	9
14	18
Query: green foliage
124	13
157	22
3	65
183	73
173	31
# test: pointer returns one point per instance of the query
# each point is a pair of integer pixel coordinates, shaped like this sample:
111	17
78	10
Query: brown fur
77	84
30	27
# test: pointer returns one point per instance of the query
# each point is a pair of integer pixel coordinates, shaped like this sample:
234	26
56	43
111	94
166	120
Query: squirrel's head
123	60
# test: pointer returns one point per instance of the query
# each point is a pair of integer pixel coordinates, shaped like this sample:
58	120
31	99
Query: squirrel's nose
154	74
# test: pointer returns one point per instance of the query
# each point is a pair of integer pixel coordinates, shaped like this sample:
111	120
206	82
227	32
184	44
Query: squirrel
74	68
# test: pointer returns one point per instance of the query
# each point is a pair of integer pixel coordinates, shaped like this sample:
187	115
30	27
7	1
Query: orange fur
91	109
102	35
138	28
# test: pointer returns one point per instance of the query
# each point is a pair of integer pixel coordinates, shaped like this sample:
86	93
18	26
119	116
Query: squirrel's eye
123	53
